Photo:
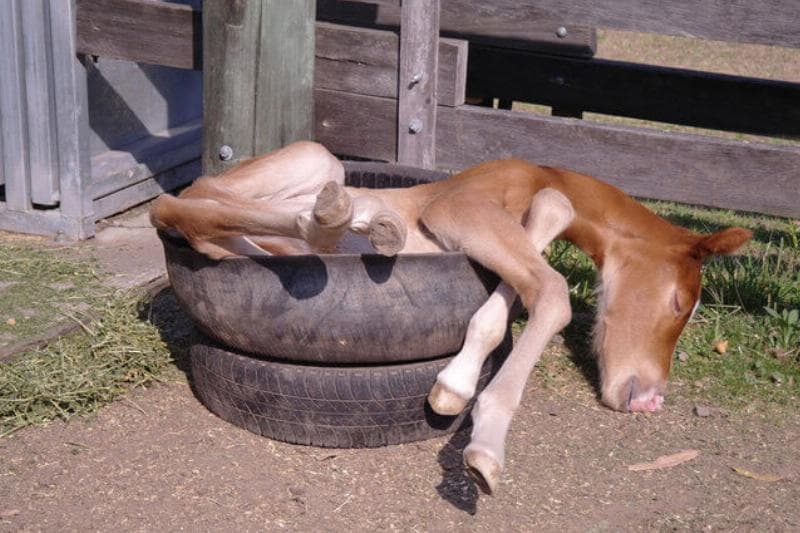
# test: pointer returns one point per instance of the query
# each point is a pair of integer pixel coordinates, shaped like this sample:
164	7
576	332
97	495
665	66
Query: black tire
334	308
329	406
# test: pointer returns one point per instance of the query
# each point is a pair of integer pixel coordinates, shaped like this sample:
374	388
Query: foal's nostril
628	392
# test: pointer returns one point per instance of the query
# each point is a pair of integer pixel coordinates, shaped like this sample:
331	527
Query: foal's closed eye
681	303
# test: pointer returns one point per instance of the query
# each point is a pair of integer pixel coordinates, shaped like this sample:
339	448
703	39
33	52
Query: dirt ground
157	460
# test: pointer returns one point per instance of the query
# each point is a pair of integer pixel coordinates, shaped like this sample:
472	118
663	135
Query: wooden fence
383	94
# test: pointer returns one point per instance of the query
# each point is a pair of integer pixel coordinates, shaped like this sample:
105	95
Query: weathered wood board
365	61
477	22
417	100
161	33
772	22
647	163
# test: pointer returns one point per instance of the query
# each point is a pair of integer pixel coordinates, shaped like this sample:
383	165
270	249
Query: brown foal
501	214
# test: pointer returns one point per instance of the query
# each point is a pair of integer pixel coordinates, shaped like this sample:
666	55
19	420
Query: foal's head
650	288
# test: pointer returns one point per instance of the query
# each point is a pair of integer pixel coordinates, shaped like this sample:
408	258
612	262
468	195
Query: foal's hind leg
496	240
550	214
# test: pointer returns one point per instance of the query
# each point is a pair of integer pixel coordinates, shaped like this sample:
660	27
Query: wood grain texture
161	33
646	163
43	102
419	67
43	222
772	22
14	126
641	91
115	170
230	49
145	190
285	79
365	61
477	22
71	115
370	131
41	142
257	77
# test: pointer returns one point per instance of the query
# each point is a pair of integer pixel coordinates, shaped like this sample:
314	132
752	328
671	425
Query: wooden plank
41	141
347	58
230	51
369	131
477	22
365	61
40	222
647	163
145	190
162	33
419	67
115	170
14	126
771	22
71	115
641	91
284	84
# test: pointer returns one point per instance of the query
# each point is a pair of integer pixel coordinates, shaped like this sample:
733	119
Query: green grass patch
40	287
123	341
751	300
77	374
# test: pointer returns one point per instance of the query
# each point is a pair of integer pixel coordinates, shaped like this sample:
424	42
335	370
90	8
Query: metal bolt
415	126
225	152
416	78
561	32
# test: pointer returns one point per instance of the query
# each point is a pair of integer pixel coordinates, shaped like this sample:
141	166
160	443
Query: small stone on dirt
702	411
683	357
297	491
11	322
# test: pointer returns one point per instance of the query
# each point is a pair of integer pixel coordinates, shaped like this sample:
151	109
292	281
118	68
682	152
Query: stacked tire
330	350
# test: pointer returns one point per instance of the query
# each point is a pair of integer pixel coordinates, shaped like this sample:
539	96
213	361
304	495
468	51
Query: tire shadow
174	326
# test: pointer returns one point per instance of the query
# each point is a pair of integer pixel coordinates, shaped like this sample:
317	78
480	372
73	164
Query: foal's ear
726	241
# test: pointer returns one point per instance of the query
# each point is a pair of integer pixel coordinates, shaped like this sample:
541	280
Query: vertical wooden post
419	66
258	65
14	127
71	124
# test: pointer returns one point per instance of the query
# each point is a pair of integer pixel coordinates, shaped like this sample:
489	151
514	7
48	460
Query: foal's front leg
498	242
550	214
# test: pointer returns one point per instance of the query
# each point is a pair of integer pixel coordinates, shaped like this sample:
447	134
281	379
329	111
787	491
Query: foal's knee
551	301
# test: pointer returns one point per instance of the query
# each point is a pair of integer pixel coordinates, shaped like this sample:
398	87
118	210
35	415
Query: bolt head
561	32
415	125
225	152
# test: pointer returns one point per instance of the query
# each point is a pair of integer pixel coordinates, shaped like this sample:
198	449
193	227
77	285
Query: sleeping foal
501	214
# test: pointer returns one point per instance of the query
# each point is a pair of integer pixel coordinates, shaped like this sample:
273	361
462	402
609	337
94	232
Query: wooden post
258	71
419	64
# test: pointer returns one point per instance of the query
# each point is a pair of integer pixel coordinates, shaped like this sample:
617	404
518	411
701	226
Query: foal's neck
608	222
